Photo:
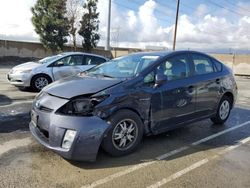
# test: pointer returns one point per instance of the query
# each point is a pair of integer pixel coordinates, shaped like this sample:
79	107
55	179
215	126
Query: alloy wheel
124	134
41	82
224	109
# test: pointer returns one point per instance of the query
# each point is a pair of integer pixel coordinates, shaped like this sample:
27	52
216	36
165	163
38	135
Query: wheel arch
230	96
143	119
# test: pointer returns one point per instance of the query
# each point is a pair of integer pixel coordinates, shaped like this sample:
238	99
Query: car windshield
48	59
123	67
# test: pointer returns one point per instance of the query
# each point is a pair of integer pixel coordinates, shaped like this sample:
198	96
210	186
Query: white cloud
132	20
137	29
15	20
201	10
140	27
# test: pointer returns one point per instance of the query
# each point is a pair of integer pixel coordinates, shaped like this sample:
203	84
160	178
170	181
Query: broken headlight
81	106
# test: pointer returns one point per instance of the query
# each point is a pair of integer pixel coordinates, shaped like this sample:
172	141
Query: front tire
223	111
125	134
38	82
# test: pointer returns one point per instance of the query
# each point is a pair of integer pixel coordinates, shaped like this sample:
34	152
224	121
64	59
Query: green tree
51	24
90	25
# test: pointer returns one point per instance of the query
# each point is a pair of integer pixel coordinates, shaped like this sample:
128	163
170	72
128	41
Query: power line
218	5
174	8
199	31
129	8
235	5
157	9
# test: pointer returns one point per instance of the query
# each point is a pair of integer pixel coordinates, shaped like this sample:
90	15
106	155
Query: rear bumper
51	128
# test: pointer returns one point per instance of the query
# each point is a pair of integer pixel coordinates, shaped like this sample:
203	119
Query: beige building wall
30	49
240	64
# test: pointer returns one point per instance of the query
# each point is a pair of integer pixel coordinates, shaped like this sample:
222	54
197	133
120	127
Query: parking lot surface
196	155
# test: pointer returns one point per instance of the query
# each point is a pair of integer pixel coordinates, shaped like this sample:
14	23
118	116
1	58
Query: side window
92	60
174	68
150	78
70	61
62	62
202	64
77	60
217	65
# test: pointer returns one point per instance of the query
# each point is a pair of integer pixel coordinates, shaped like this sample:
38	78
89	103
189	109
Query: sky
203	24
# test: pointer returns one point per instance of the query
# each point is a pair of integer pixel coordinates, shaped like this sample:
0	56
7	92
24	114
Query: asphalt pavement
197	155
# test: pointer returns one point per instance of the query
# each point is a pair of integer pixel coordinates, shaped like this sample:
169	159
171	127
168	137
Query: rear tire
125	134
223	111
38	82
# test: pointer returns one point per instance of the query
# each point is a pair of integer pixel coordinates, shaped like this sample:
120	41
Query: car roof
154	53
81	53
165	53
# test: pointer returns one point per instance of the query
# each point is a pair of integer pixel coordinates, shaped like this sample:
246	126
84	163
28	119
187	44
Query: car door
208	84
91	61
173	102
67	66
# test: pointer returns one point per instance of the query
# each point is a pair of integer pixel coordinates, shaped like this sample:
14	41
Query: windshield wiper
105	75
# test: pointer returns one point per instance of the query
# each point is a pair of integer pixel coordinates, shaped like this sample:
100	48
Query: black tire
110	144
219	119
34	85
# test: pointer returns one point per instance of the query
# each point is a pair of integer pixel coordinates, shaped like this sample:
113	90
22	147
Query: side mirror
160	79
59	64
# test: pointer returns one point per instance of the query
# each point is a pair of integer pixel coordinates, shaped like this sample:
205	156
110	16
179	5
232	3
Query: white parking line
196	165
161	157
179	174
13	144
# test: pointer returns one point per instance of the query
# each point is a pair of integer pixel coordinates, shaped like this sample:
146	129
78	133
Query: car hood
25	66
77	85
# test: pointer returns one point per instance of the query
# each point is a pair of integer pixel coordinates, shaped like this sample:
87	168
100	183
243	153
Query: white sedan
39	74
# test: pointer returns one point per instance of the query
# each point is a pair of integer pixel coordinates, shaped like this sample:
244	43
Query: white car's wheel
40	81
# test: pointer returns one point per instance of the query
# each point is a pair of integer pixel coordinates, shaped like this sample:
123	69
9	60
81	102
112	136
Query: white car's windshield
48	59
123	67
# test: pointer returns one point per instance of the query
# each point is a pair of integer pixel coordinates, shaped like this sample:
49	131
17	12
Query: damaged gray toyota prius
114	104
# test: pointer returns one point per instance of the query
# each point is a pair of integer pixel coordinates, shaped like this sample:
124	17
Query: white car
39	74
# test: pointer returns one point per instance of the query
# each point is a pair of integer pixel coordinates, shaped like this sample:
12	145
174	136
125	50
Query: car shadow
154	146
4	100
13	118
14	123
27	89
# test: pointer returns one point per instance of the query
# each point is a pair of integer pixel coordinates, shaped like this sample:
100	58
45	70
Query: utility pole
176	23
115	37
107	46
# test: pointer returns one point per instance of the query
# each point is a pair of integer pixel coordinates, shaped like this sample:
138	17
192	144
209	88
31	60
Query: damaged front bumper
49	129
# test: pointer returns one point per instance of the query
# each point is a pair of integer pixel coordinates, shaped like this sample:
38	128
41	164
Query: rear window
218	65
93	60
202	64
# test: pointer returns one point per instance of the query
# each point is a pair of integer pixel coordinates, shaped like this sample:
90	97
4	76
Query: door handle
190	89
218	81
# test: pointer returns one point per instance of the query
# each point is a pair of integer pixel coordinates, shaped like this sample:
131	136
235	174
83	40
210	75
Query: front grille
44	133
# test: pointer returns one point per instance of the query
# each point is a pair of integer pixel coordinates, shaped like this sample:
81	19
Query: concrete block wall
239	63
